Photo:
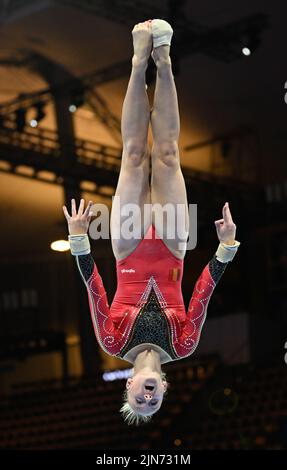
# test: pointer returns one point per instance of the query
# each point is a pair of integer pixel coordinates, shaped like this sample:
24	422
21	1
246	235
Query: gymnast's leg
167	183
133	183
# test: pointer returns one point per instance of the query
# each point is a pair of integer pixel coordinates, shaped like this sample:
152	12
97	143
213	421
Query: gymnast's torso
149	280
148	307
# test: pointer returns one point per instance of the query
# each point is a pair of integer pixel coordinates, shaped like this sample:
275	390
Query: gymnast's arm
80	248
202	292
209	278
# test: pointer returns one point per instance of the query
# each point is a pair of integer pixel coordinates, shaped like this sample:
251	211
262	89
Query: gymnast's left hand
226	228
78	222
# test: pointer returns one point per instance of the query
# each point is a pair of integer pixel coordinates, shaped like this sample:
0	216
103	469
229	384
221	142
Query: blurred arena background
64	68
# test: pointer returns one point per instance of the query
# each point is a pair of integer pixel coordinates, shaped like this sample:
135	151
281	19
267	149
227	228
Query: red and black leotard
148	306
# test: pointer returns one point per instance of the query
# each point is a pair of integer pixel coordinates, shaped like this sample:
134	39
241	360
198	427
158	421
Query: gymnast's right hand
78	223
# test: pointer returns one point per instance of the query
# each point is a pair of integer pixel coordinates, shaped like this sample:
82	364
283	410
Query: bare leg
133	183
167	183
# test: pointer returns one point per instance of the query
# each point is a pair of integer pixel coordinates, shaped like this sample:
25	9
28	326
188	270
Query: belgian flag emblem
174	274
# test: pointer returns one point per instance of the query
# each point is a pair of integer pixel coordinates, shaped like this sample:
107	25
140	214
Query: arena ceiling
215	96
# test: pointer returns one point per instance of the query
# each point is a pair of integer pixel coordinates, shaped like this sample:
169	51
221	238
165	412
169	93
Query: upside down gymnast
147	323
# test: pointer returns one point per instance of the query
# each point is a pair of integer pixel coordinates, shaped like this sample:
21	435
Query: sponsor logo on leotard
128	271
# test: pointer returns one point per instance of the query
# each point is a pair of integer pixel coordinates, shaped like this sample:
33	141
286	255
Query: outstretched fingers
73	207
81	207
81	213
66	213
88	212
78	223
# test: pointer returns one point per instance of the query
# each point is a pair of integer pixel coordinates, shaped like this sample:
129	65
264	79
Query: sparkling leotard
148	306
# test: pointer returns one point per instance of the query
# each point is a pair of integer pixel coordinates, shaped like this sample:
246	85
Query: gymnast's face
145	392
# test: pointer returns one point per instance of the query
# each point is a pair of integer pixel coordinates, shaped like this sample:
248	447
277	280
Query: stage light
40	114
246	51
33	123
117	375
60	245
77	99
72	108
250	42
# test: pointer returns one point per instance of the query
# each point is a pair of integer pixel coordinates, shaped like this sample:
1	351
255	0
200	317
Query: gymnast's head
145	390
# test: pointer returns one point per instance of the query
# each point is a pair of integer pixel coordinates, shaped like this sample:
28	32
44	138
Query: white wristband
79	244
226	253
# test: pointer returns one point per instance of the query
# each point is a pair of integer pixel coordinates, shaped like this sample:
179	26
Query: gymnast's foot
142	42
162	33
161	55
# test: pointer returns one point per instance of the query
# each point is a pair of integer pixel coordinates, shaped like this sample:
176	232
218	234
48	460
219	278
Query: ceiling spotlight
77	99
40	114
246	51
33	123
72	108
250	42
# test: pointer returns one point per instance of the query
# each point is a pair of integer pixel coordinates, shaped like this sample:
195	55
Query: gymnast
146	323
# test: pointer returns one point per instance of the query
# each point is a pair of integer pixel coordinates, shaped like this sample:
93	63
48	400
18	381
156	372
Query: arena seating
85	412
245	410
208	406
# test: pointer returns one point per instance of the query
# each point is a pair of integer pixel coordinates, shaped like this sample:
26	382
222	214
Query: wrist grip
226	253
79	244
